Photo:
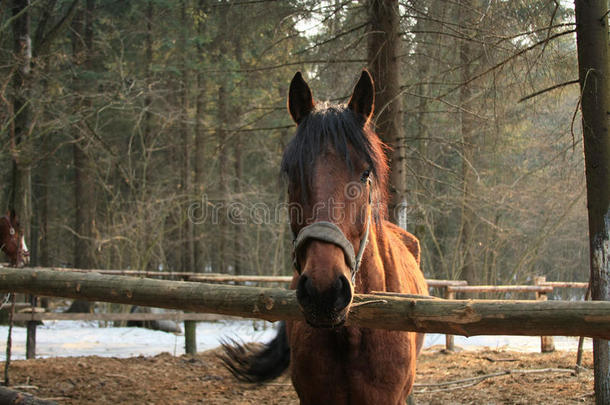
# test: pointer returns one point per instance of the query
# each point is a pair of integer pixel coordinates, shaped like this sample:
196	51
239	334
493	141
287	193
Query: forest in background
148	134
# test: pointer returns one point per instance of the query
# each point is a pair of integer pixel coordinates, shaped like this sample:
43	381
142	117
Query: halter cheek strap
330	233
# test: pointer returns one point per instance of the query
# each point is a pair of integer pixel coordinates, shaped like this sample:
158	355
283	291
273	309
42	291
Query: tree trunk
149	73
469	142
85	207
382	56
428	42
188	245
237	226
21	197
148	121
199	186
46	177
592	42
222	41
223	163
188	254
84	191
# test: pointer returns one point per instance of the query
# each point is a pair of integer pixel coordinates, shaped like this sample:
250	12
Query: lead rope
365	238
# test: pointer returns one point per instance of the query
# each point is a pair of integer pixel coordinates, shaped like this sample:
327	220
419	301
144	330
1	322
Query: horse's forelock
336	127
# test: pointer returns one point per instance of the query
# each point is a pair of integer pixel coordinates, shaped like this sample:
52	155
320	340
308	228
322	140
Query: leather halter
330	233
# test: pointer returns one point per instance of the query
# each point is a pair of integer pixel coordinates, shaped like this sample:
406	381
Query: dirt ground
165	379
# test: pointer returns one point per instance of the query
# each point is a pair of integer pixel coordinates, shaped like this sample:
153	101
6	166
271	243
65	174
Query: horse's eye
365	176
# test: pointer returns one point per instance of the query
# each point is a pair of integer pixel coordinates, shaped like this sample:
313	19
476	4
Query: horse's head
336	169
12	240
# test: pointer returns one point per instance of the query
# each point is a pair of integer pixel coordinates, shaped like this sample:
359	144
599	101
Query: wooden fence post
581	339
30	345
546	342
449	345
190	337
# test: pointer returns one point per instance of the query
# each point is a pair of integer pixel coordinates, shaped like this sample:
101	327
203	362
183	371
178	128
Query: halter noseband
329	232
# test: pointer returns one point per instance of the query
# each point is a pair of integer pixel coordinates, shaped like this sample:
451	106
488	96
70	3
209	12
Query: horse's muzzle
324	309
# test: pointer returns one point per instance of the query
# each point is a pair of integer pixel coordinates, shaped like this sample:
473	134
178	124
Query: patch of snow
514	343
78	338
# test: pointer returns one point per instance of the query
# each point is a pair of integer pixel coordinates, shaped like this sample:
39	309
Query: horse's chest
360	362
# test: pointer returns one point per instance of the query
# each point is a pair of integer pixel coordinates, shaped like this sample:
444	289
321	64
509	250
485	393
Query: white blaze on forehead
24	247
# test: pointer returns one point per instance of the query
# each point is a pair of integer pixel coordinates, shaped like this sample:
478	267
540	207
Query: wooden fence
390	311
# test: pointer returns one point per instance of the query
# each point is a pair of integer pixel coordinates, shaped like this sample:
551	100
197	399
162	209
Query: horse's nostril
305	290
343	293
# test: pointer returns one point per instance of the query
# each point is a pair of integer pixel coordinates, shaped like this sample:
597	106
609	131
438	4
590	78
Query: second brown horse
12	240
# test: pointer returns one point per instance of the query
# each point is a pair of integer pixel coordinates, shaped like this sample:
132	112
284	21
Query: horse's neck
371	276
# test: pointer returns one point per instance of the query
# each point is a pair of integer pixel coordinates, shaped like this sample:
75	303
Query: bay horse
337	173
12	241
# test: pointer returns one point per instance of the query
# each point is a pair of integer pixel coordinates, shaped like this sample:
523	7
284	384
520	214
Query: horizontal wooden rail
216	277
457	317
172	316
169	274
565	284
194	276
239	279
137	273
445	283
499	288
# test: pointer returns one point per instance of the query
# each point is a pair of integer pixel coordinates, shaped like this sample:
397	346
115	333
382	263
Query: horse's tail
258	364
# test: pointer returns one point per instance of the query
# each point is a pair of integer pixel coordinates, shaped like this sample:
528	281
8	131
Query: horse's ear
363	97
300	100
